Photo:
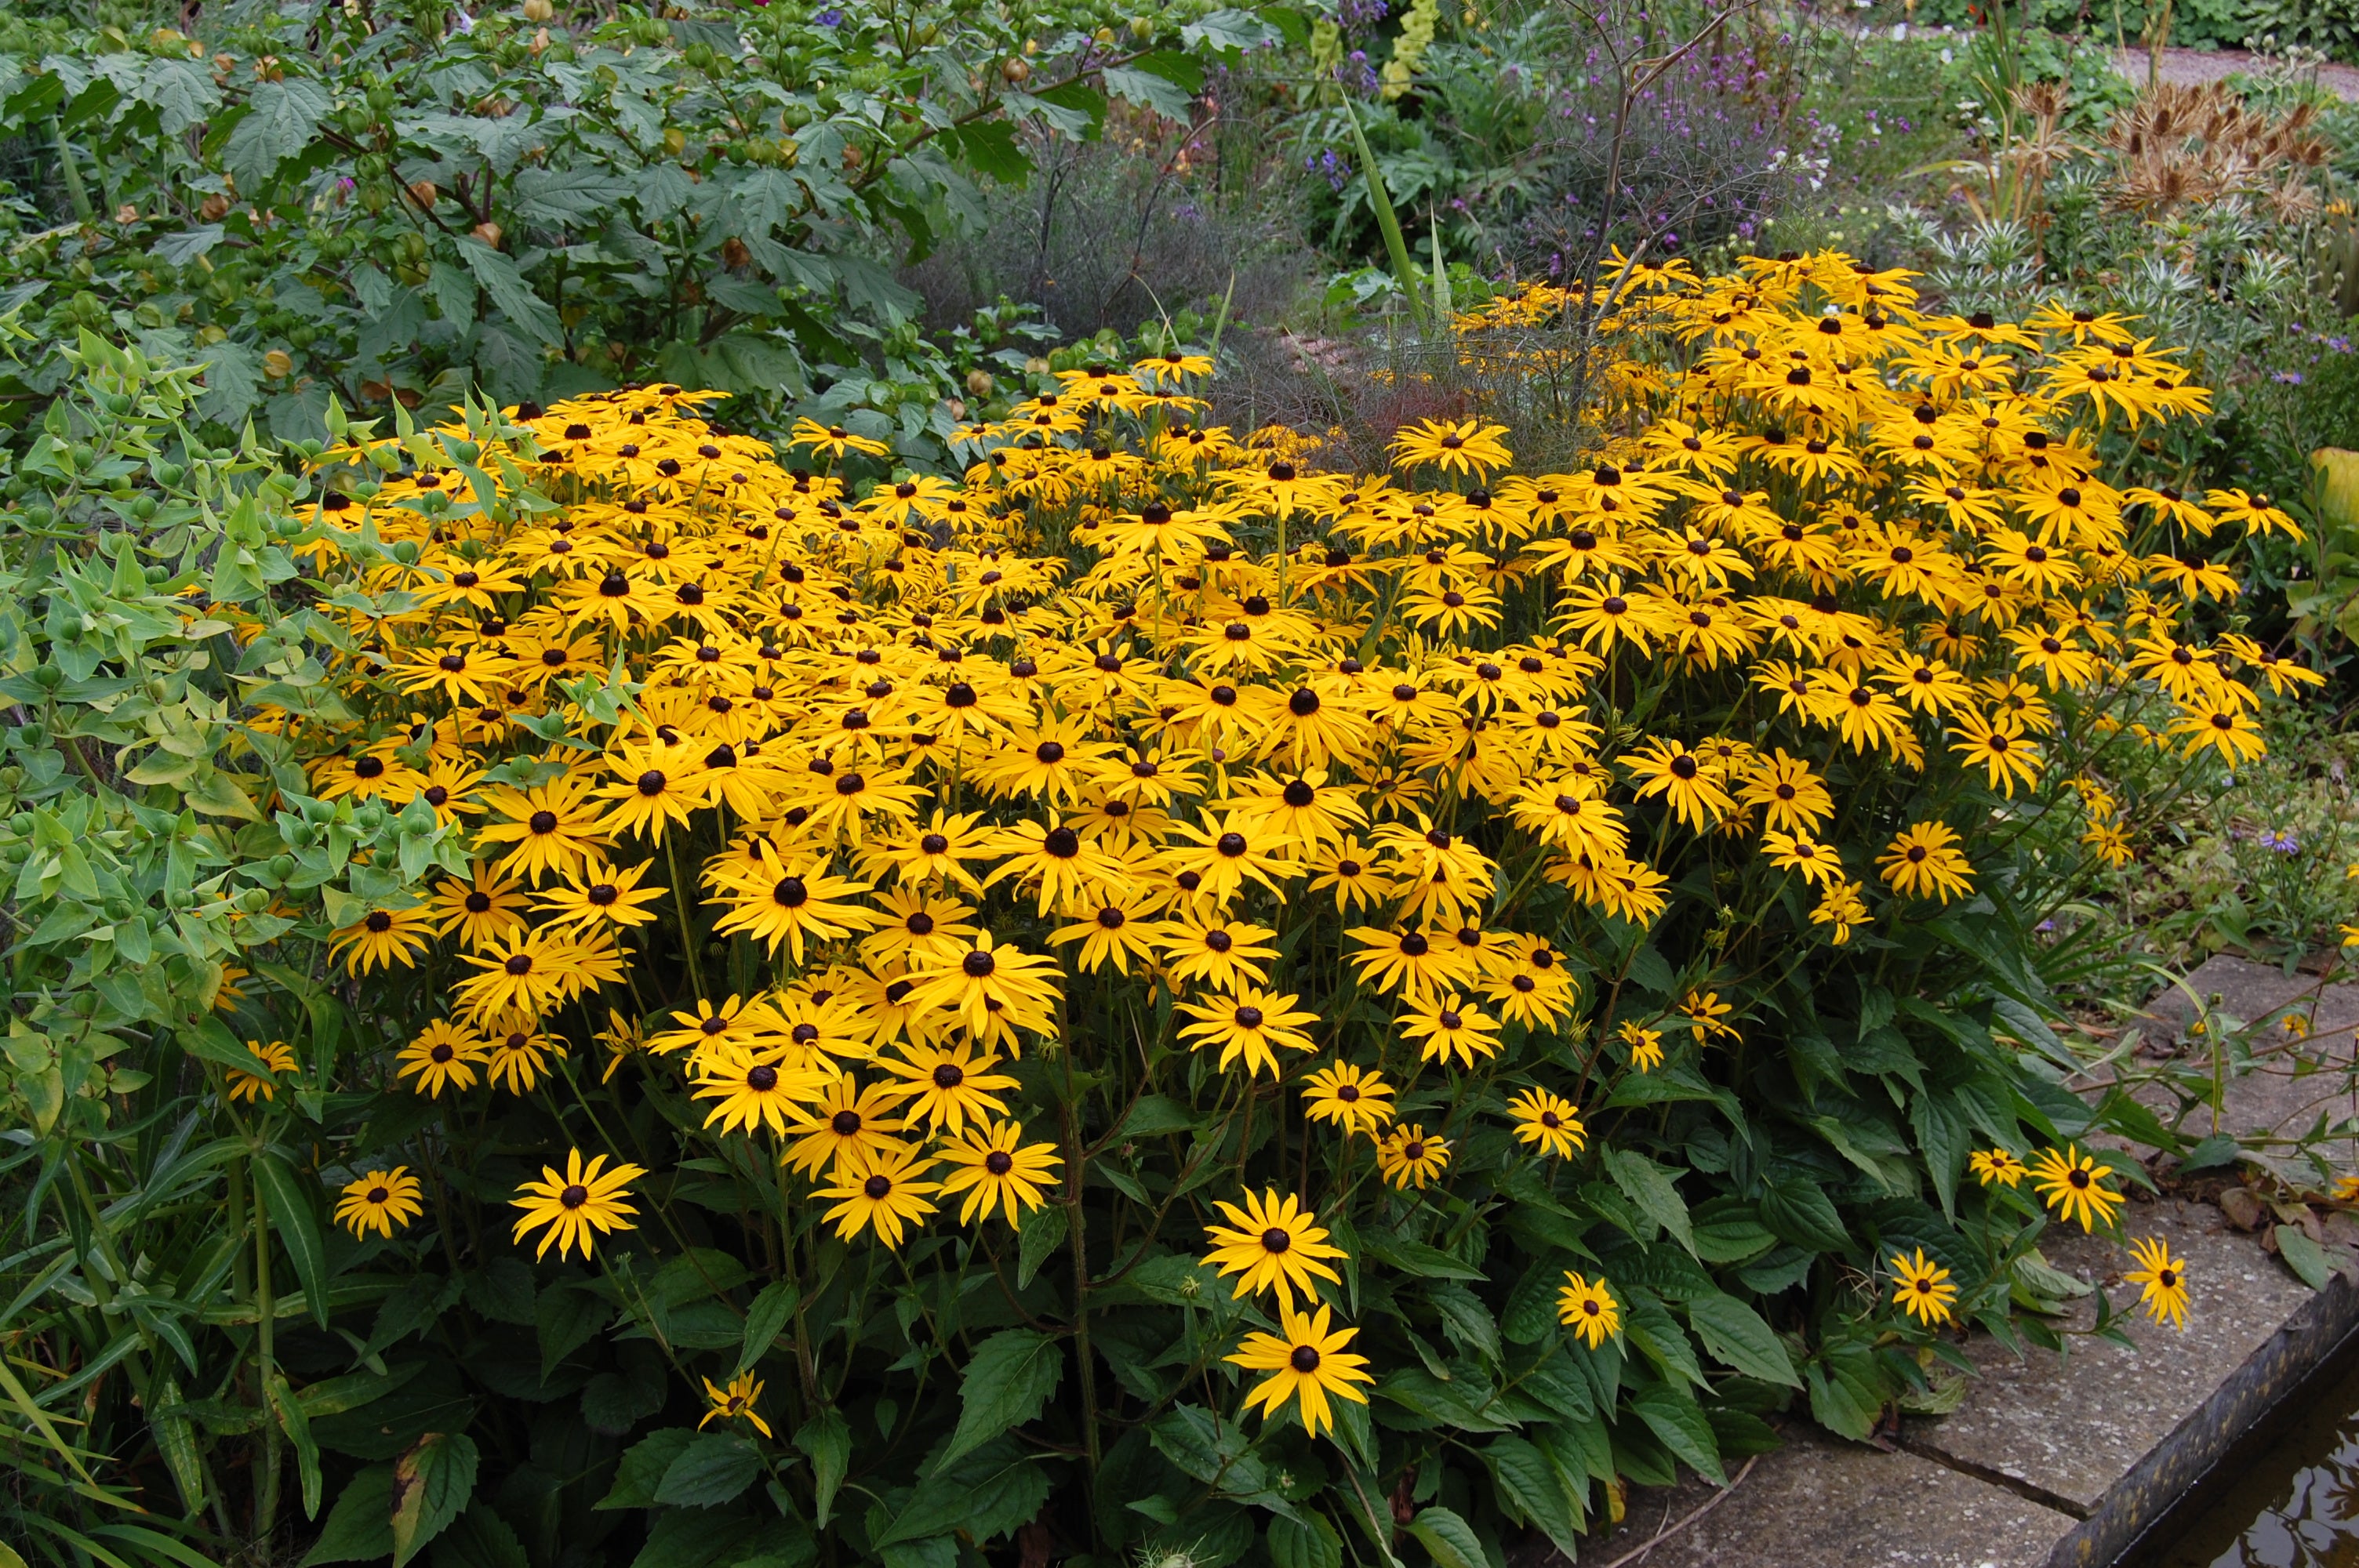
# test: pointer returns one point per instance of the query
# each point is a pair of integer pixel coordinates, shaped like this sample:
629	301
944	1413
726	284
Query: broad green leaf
1415	1257
714	1467
1652	1189
1011	1377
643	1466
288	1200
480	1539
298	1428
360	1525
1306	1543
2303	1254
1799	1211
1733	1334
565	1318
766	1320
432	1484
1449	1538
826	1441
1672	1414
1527	1479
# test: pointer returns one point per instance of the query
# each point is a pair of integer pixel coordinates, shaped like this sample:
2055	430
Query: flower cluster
886	823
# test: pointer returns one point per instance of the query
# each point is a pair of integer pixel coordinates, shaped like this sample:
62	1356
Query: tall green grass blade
1387	221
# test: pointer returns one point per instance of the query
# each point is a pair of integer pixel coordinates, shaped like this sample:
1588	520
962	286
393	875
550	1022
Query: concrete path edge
2271	1376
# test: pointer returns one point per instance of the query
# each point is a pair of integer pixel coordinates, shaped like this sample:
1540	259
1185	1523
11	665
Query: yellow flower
1306	1362
1271	1244
2162	1281
1921	1288
734	1402
1550	1123
1924	860
1410	1159
1589	1309
381	1201
1469	447
2073	1186
274	1058
577	1206
1646	1045
995	1167
1995	1167
878	1188
1355	1099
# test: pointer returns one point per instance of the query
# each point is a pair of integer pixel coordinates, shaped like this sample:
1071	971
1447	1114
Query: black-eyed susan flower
1271	1243
1921	1288
573	1207
843	1124
1995	1167
749	1092
1253	1026
2073	1184
1644	1045
270	1060
383	938
444	1056
1308	1363
381	1201
946	1086
1447	1027
994	1167
1587	1307
1408	1157
880	1188
1352	1097
482	909
1549	1122
2162	1281
1923	860
734	1402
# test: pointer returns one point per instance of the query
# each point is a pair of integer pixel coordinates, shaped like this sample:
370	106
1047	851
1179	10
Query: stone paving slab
2070	1427
1819	1502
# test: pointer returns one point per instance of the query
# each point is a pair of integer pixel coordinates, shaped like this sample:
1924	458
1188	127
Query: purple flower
2289	377
2283	843
830	17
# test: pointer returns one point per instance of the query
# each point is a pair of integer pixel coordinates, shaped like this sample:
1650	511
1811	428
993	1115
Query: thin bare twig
1669	1531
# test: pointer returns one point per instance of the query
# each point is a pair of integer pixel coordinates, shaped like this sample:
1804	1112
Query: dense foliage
1148	997
357	203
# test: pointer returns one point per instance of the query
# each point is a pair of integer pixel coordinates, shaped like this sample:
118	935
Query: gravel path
2198	65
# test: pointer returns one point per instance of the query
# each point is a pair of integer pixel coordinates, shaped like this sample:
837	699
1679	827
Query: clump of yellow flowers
1151	844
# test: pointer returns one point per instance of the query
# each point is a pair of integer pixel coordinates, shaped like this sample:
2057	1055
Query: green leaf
1011	1377
481	1538
1527	1479
1415	1257
2303	1254
360	1527
432	1484
1449	1538
280	121
1038	1236
1309	1541
1672	1413
565	1318
1735	1336
1652	1189
826	1441
1840	1405
714	1467
298	1428
990	148
509	293
766	1320
1799	1211
288	1201
643	1466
